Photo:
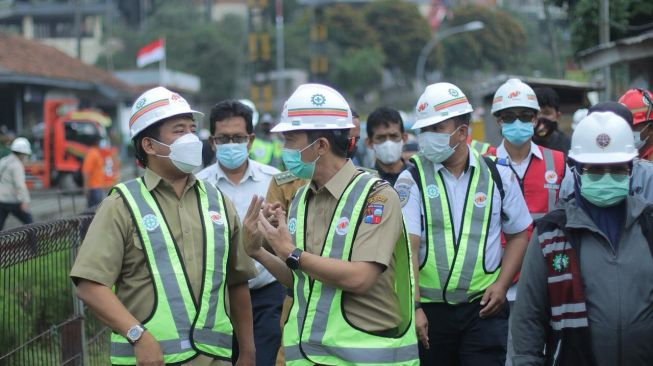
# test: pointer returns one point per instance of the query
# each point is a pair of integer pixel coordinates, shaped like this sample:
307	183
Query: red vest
542	180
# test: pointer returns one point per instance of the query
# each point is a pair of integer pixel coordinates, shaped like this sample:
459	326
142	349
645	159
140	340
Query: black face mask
545	127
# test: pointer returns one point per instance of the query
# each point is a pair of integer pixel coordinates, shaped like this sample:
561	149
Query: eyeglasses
225	139
510	117
379	139
601	170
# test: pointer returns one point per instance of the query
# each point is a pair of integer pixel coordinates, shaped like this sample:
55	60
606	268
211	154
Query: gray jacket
618	289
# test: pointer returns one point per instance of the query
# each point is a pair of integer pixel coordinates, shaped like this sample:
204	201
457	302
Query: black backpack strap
496	177
645	221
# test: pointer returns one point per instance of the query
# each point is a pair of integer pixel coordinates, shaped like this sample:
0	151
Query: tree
212	51
402	32
359	72
498	46
627	18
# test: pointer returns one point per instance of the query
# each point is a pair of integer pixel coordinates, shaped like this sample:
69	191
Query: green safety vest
317	331
480	147
262	151
454	268
182	327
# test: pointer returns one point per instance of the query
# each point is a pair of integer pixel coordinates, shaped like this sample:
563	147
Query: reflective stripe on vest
480	147
541	182
454	268
180	328
317	331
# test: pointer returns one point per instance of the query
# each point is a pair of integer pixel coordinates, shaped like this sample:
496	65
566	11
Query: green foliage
401	30
499	46
212	51
359	71
585	20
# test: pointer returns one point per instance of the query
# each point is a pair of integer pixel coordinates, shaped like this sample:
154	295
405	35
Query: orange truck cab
67	136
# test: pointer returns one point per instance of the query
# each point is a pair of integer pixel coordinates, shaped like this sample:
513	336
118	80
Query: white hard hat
514	93
315	107
252	106
439	102
21	145
578	116
602	138
155	105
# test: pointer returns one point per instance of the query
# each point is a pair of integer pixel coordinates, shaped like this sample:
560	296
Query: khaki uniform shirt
283	193
112	253
378	309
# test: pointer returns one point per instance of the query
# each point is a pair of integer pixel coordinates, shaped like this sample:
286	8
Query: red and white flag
153	52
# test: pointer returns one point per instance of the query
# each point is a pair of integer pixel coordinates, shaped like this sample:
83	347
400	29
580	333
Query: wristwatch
135	333
293	259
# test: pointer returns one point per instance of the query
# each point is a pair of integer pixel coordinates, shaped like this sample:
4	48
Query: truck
62	140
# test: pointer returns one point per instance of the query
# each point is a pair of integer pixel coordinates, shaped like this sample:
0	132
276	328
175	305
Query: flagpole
162	65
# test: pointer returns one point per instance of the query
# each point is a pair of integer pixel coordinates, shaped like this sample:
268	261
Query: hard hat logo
453	92
603	140
141	103
422	107
318	100
513	94
176	97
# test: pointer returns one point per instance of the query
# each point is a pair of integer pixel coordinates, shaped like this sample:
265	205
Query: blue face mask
604	190
231	156
292	159
517	132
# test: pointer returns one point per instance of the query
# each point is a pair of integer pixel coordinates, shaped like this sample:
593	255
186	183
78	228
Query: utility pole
280	55
604	37
78	28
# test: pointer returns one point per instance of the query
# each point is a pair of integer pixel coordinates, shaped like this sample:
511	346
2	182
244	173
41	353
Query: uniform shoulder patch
284	178
403	186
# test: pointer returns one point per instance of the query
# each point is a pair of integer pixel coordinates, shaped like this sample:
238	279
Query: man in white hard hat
14	196
343	249
170	246
239	178
585	288
456	204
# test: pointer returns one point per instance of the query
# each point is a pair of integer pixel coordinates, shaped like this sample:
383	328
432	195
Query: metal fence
42	321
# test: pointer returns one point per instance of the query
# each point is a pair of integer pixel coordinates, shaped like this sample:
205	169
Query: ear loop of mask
161	143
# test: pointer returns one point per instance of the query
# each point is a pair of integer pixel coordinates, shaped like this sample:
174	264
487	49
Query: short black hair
231	108
153	132
383	116
354	114
547	97
614	107
338	139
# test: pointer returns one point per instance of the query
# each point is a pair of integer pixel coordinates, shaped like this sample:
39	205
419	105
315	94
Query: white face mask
435	146
185	152
388	152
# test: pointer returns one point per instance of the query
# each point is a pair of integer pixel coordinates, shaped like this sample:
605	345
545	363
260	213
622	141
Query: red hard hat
640	103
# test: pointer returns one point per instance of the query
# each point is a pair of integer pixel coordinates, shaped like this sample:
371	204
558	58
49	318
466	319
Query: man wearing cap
585	288
456	204
14	196
240	178
342	250
640	104
169	246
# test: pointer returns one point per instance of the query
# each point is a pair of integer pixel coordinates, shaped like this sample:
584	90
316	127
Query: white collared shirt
521	167
255	182
514	205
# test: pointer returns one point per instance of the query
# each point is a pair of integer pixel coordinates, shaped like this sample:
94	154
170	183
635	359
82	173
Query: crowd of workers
538	251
